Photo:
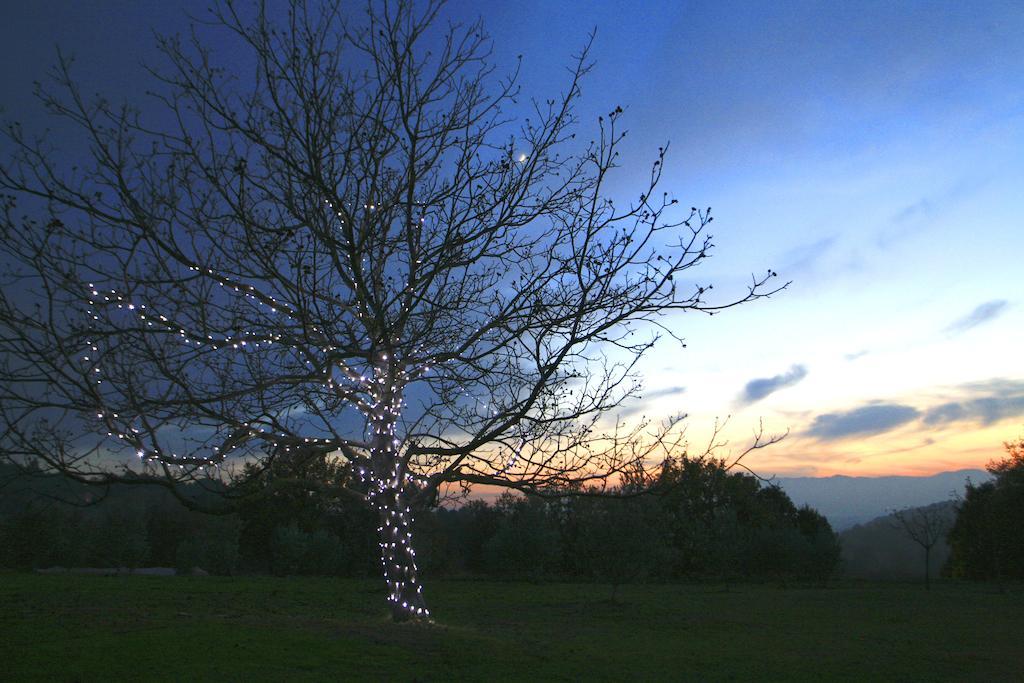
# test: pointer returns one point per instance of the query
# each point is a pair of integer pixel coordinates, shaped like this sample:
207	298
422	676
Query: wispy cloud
806	256
921	208
641	403
999	386
661	393
863	421
983	313
986	403
756	389
919	215
973	403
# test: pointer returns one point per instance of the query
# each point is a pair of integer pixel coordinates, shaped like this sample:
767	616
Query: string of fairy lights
386	491
376	392
387	482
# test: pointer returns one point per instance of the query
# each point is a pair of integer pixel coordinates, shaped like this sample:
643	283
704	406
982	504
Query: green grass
234	629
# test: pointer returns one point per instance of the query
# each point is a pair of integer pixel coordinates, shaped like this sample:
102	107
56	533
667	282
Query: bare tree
925	526
370	250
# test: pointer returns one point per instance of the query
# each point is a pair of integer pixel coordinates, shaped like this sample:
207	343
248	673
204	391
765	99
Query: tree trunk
928	568
387	496
398	558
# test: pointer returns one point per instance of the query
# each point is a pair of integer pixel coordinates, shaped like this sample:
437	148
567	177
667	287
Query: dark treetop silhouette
358	251
925	526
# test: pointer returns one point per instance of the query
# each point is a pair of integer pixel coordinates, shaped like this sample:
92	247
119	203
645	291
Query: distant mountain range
847	501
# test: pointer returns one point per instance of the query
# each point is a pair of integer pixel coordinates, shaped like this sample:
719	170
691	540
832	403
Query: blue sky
872	153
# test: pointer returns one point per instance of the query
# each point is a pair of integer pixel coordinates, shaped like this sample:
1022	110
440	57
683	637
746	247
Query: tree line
698	520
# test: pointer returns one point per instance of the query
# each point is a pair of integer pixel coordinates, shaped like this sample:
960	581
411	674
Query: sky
871	153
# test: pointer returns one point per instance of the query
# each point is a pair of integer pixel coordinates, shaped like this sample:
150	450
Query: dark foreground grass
239	629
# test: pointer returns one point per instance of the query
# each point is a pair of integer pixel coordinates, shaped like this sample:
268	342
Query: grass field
206	628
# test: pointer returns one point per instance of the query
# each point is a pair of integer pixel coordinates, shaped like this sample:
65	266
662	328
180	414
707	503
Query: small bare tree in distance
364	249
925	526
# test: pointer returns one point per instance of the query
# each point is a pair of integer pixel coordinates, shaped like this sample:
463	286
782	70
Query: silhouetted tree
925	526
477	523
276	493
616	540
355	250
822	548
985	540
723	523
211	545
525	544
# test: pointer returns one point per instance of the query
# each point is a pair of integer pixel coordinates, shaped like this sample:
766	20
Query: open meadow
67	627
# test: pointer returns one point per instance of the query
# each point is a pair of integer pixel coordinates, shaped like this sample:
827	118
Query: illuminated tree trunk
398	558
387	496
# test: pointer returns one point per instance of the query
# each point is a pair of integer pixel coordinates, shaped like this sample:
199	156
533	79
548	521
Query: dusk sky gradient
872	153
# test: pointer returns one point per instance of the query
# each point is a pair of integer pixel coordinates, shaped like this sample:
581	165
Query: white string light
387	483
